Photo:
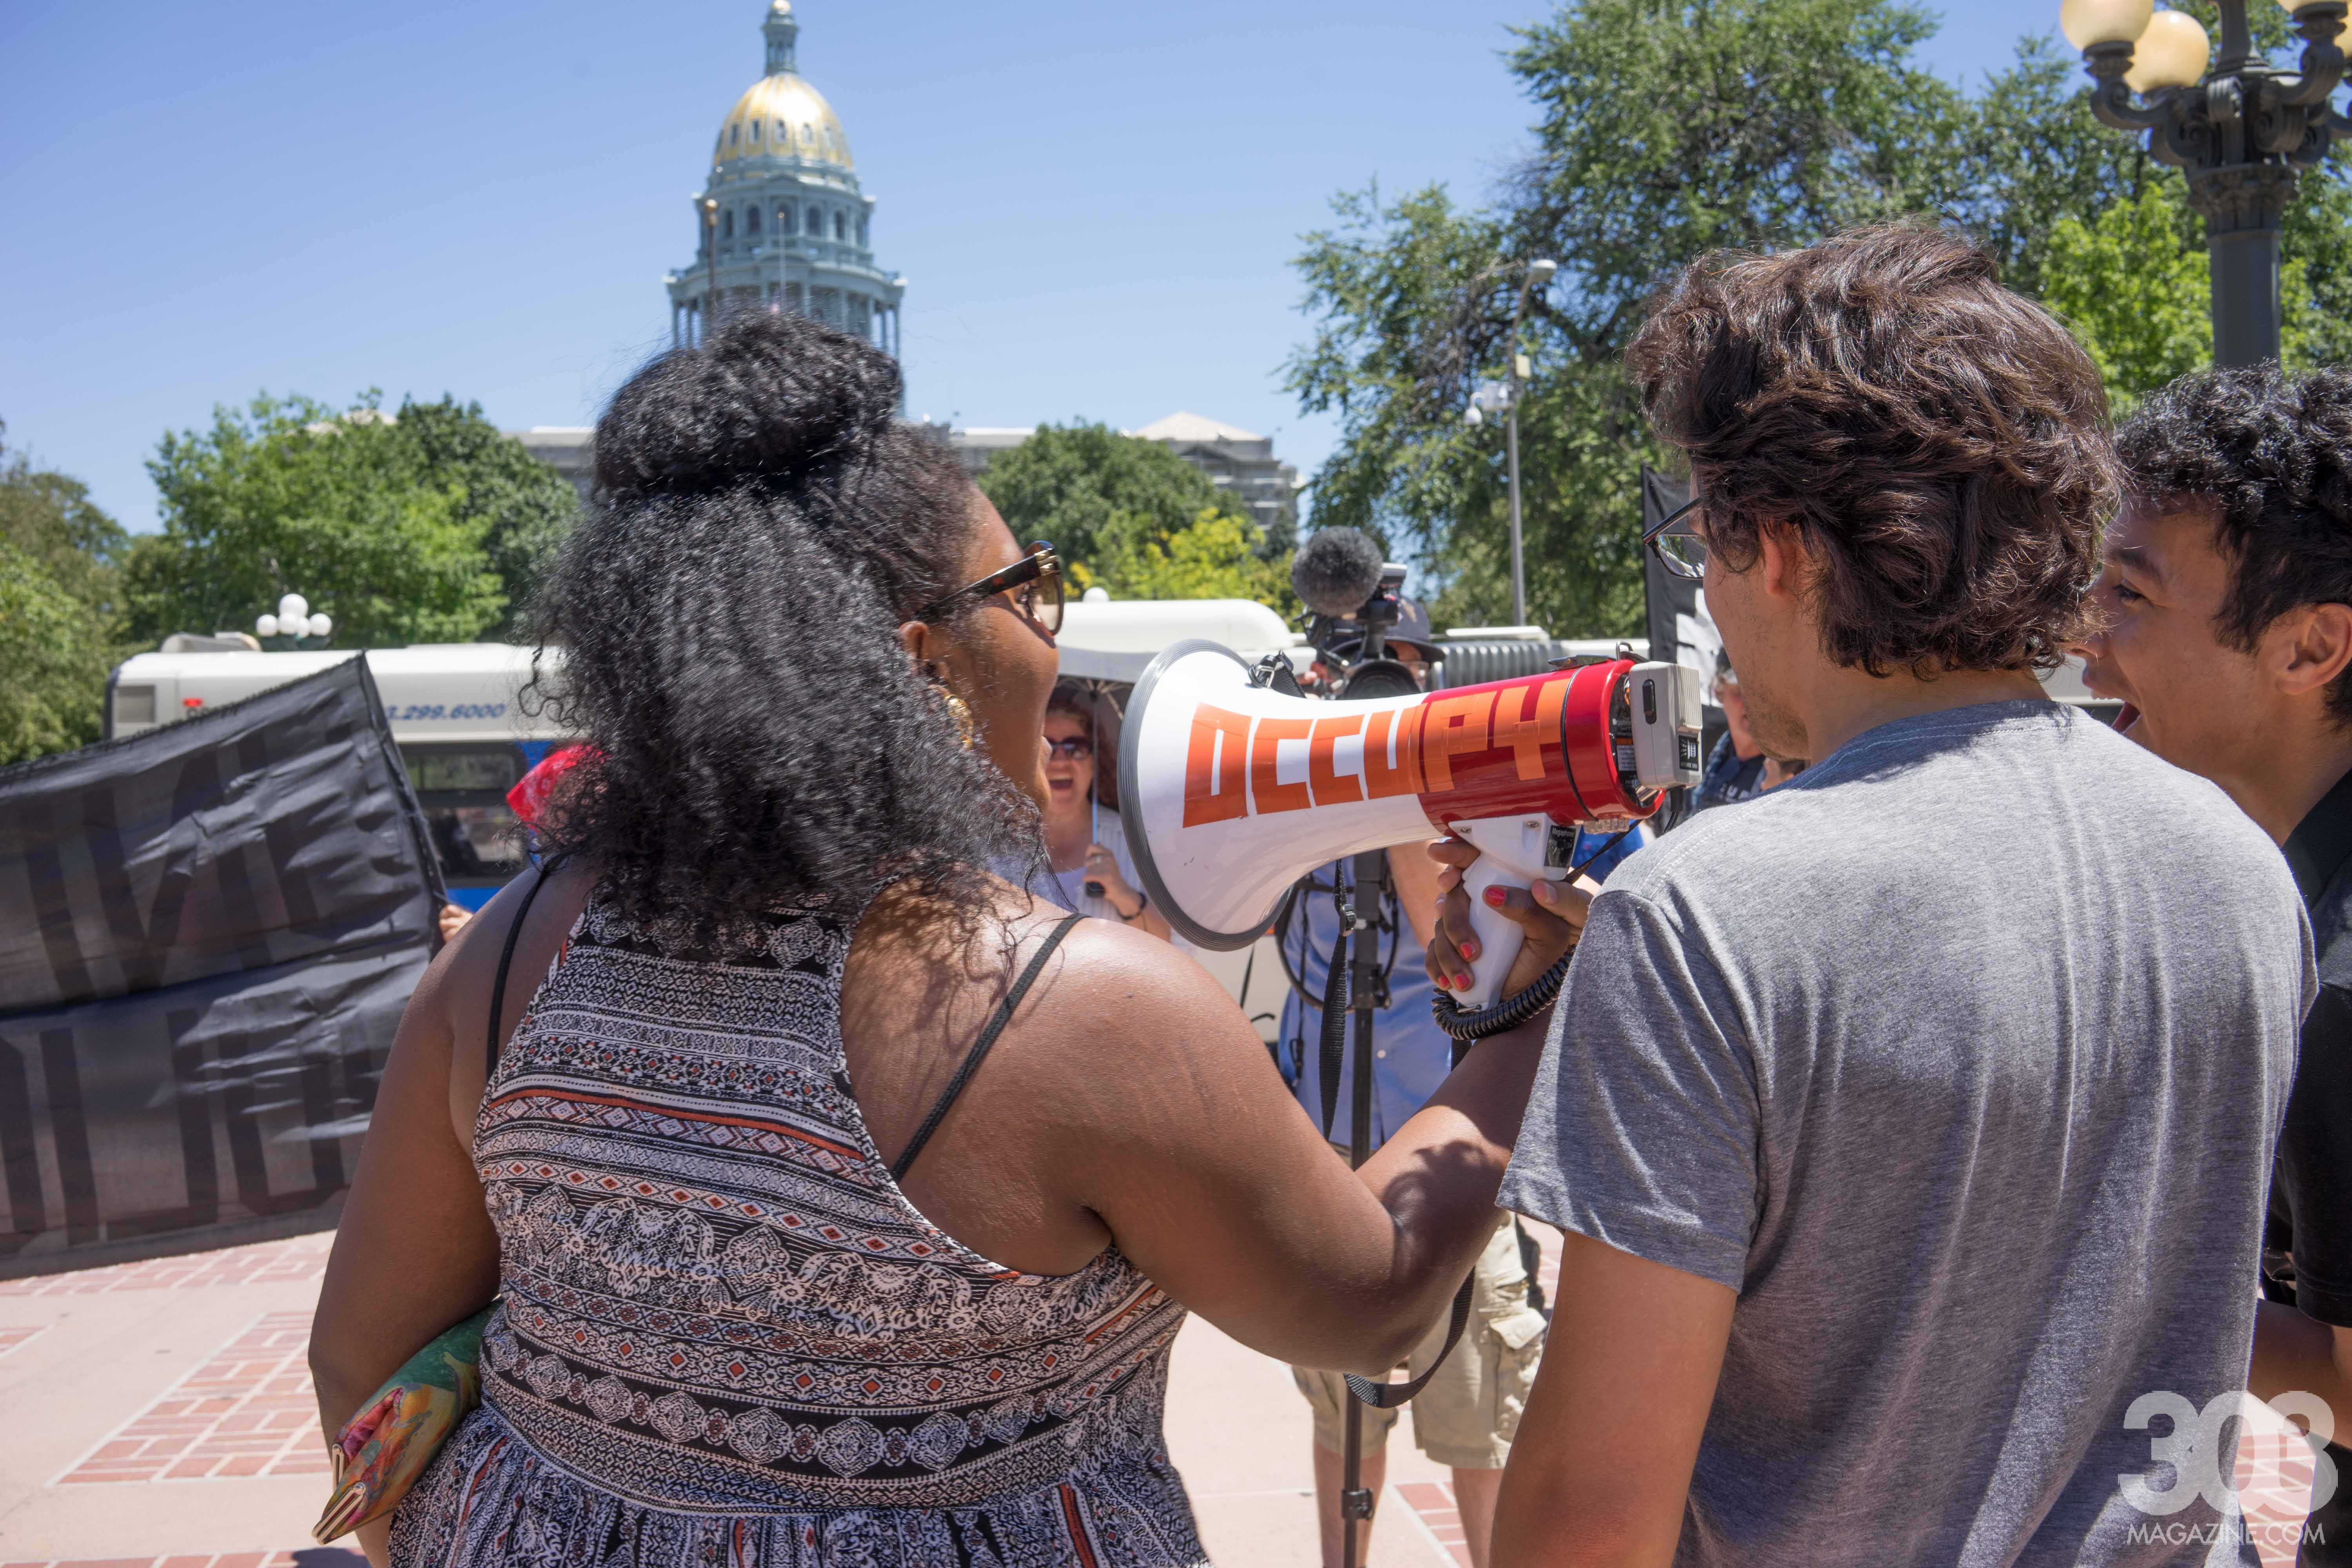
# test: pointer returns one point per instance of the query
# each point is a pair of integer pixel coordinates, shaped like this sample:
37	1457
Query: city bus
456	712
460	716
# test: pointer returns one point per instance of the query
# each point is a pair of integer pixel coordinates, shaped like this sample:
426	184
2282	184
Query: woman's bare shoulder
459	986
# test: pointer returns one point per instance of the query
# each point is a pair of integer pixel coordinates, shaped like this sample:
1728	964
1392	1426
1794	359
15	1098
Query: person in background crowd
1895	1172
1464	1417
2226	628
1734	769
527	799
1086	843
840	1201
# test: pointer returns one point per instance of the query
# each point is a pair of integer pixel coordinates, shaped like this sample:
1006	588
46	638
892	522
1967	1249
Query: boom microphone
1336	571
1229	792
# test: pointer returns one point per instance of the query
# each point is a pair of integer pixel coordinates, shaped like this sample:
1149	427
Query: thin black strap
506	957
971	1060
1389	1396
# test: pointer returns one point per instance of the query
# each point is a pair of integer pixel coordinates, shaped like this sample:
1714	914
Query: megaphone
1229	790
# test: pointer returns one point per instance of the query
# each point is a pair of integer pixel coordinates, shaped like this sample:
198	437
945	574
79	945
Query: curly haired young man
1909	1123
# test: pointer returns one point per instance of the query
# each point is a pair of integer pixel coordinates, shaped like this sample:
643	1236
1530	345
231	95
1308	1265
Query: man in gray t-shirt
1909	1126
1957	1058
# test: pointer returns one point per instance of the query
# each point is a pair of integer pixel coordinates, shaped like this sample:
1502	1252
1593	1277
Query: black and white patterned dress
727	1338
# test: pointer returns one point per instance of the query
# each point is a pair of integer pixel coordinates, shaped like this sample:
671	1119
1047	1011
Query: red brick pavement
248	1411
1432	1504
292	1261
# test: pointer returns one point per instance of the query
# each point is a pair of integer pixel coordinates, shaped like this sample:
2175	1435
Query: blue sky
1095	205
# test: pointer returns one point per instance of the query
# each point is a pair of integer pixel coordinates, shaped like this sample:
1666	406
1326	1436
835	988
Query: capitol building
781	220
780	224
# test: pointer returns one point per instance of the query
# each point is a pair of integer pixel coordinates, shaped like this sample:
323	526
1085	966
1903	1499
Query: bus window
463	790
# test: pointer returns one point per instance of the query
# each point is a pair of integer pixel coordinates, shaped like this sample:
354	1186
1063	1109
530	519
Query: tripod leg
1369	886
1355	1498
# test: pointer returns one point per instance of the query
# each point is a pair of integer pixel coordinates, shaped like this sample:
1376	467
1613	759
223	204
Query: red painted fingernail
1470	951
1495	895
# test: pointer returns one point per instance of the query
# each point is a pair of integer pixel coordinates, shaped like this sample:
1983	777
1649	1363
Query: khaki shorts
1466	1416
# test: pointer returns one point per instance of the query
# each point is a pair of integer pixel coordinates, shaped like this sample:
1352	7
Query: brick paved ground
248	1411
301	1259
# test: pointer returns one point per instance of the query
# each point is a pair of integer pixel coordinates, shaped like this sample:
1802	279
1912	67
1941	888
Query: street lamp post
294	620
1503	397
2243	133
708	207
1539	274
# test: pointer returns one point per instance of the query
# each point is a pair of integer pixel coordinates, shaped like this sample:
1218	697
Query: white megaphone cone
1229	792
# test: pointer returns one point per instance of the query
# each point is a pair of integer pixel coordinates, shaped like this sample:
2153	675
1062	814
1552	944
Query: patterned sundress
726	1337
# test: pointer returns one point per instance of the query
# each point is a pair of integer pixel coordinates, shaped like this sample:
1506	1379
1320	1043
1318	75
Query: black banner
210	931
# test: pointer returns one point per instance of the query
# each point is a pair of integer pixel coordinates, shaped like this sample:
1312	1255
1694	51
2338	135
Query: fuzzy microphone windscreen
1336	571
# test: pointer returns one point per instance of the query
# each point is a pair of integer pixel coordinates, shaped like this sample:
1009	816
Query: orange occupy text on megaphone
1230	792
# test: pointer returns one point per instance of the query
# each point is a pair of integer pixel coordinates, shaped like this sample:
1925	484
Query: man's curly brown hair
1941	443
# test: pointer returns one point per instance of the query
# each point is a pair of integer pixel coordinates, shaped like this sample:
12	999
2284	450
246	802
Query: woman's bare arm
1130	1101
416	1252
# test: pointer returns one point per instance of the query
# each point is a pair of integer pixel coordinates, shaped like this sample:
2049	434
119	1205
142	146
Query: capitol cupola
781	222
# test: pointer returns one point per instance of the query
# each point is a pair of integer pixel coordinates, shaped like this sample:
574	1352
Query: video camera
1353	599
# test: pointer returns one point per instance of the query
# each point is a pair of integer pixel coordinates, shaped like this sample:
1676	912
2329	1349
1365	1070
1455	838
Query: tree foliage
1214	556
60	617
1667	127
523	507
1132	516
426	526
2134	292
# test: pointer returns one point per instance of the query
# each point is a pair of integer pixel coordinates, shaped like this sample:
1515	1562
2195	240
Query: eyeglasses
1033	584
1078	748
1677	543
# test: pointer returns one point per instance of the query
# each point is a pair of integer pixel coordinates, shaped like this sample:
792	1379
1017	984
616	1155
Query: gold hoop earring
960	711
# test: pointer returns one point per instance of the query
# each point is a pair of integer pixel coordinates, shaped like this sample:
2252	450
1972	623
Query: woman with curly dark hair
785	1271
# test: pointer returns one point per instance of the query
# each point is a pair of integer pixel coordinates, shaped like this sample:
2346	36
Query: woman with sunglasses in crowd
840	1198
1086	843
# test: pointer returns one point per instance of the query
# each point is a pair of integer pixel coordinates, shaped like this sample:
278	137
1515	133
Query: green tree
59	614
1092	491
1214	556
2134	289
1667	128
287	495
523	507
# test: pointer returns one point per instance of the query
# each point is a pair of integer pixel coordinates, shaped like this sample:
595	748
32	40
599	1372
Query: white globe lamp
2173	52
2089	22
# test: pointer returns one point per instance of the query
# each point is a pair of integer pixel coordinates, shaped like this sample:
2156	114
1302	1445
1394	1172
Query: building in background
788	227
782	220
1239	462
566	449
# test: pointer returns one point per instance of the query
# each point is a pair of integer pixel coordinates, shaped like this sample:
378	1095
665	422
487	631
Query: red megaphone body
1229	790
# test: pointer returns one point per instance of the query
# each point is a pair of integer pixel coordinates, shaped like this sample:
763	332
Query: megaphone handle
1498	935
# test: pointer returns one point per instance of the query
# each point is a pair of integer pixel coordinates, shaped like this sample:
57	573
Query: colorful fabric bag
383	1450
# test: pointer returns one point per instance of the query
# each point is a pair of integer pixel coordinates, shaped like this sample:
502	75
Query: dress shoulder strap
506	959
1002	1015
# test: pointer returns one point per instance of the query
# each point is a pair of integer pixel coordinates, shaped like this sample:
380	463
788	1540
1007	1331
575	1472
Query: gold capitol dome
781	222
780	115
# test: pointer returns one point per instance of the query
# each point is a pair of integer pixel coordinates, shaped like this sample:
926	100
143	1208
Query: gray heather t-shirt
1961	1058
